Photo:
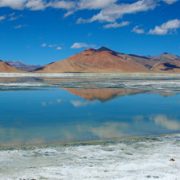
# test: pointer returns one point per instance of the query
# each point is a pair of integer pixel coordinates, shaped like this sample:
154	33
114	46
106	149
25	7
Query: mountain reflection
102	94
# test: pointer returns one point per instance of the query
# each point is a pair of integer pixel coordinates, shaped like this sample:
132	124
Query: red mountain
104	60
97	60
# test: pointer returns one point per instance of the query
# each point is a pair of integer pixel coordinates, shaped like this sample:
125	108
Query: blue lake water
75	113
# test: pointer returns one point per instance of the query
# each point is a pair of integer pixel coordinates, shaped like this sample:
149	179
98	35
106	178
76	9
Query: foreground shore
143	158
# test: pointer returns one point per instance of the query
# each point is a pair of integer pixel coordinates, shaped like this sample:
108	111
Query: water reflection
48	115
102	94
82	131
167	123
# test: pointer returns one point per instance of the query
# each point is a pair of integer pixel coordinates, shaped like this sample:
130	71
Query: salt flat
143	158
90	75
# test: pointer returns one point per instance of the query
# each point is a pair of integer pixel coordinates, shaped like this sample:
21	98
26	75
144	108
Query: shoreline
123	139
157	159
59	75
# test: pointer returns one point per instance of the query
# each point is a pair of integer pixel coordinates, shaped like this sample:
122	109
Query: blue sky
42	31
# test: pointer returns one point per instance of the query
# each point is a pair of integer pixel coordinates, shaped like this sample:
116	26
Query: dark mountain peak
104	49
166	56
139	56
90	49
101	49
165	53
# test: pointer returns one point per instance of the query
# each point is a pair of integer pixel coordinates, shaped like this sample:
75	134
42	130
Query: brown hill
93	61
5	67
104	60
103	94
166	63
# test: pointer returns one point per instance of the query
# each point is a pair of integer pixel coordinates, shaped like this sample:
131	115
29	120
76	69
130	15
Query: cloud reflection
164	121
110	130
87	130
54	102
79	103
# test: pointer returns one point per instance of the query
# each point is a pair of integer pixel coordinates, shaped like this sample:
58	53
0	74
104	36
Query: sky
43	31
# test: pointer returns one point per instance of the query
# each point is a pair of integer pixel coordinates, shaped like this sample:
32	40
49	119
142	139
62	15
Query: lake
65	123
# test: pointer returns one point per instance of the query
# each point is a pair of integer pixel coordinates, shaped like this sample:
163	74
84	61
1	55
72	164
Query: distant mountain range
21	66
102	60
5	67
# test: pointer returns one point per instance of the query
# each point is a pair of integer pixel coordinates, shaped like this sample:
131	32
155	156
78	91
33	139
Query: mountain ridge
5	67
22	66
102	60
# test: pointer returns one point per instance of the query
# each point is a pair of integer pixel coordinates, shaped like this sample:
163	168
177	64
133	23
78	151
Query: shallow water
98	128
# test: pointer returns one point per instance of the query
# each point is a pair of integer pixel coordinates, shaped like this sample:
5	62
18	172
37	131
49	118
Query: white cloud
123	8
95	4
35	4
9	17
116	25
14	4
52	46
19	26
107	10
138	30
79	45
116	11
81	21
44	45
166	28
170	1
58	48
13	16
62	4
2	18
70	6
